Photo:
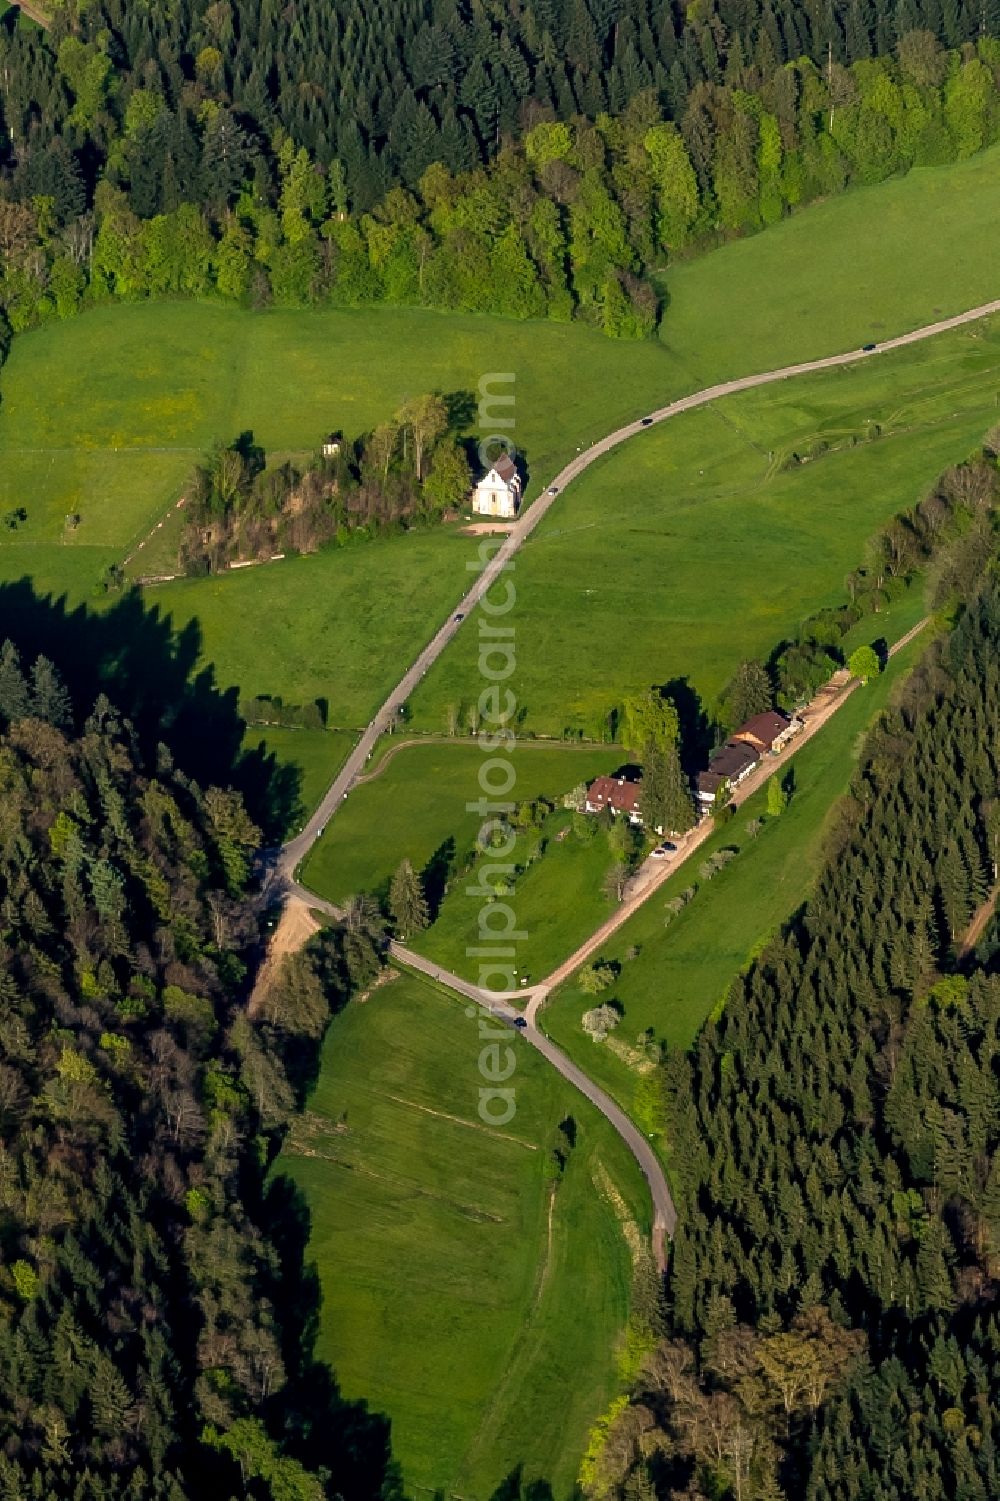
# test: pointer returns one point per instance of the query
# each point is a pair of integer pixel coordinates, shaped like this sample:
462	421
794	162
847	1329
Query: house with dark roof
767	732
618	794
732	764
499	491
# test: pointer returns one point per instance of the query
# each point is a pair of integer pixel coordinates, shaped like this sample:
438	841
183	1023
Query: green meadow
103	416
315	756
675	969
419	801
341	624
462	1297
706	540
855	268
558	901
483	1325
134	394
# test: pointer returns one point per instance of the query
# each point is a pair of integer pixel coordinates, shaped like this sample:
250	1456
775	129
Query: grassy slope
316	755
863	265
340	624
134	394
683	969
695	546
557	902
442	1305
419	801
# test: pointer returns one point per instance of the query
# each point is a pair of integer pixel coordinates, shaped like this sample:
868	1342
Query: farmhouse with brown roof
767	732
616	793
732	764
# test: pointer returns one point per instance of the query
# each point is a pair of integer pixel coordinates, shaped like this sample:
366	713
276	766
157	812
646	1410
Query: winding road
281	881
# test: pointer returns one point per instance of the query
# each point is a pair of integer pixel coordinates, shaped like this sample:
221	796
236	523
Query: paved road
292	853
280	880
664	1213
829	699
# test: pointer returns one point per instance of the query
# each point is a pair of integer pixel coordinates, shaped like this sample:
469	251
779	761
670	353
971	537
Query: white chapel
499	491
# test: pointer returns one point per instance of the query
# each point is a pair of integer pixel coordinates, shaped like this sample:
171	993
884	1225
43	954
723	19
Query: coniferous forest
537	161
151	1303
831	1327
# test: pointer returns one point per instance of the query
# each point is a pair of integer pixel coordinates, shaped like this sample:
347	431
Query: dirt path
33	12
291	854
298	923
468	740
295	928
137	549
281	879
979	923
814	716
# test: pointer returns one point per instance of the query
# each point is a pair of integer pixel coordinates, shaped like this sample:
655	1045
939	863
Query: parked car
520	1022
662	850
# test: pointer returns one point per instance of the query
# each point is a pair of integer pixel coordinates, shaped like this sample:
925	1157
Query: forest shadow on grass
344	1436
339	1433
149	671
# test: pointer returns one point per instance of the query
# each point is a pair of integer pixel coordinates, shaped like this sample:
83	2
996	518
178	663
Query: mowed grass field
341	624
557	902
419	801
451	1302
105	415
702	541
684	966
856	268
315	755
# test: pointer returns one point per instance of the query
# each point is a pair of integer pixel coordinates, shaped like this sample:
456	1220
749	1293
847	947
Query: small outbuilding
332	444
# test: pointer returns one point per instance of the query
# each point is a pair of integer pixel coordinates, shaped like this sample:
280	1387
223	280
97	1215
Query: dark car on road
521	1022
868	348
646	422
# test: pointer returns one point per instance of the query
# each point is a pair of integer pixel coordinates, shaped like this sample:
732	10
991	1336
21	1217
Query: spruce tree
749	692
678	803
407	902
15	700
49	698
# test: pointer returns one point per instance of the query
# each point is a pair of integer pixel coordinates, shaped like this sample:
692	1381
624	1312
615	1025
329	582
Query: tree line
829	1326
409	469
142	181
